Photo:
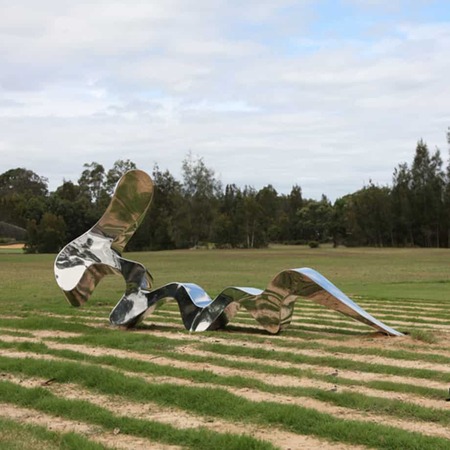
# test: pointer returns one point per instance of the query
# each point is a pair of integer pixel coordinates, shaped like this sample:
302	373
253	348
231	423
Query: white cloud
250	86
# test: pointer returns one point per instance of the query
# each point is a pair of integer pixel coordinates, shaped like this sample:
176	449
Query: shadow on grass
292	331
156	327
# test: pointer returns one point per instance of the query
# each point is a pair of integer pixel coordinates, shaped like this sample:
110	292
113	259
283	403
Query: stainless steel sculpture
82	263
85	261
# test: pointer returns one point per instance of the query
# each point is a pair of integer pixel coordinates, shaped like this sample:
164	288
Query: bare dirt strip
93	433
370	340
277	380
280	438
377	342
12	246
171	416
249	323
274	380
259	396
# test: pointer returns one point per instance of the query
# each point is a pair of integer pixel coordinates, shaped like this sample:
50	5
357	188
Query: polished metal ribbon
82	263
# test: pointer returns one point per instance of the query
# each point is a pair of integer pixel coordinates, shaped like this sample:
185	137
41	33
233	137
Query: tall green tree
293	205
120	168
92	181
22	181
201	190
314	220
269	212
22	196
427	192
402	206
368	217
73	204
47	236
229	226
160	229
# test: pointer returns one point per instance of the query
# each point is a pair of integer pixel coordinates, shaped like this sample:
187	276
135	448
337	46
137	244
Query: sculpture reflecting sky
82	263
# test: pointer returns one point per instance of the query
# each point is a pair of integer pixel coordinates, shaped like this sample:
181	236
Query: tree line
199	211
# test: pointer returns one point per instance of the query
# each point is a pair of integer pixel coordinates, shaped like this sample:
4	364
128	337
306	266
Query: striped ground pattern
325	383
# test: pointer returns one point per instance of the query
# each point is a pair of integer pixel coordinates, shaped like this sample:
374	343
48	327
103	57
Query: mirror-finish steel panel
82	263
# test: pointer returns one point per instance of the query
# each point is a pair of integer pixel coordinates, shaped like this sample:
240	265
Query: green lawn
391	391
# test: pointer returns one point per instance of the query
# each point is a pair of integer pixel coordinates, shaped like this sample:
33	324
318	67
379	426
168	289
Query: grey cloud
100	81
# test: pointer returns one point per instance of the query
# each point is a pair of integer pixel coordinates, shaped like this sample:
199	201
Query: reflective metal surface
271	308
85	261
82	263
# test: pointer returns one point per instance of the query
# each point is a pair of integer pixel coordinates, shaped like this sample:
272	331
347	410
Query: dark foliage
198	211
12	231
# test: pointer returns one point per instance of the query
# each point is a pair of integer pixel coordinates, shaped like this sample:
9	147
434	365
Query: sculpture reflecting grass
85	261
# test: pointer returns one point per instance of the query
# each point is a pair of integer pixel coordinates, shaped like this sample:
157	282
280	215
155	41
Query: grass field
69	380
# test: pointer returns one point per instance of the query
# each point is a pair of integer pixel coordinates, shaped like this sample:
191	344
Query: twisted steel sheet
85	261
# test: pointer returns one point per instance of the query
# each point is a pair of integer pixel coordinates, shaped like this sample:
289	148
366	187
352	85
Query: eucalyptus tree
114	174
22	196
92	181
201	192
160	227
314	220
229	227
268	213
427	193
402	206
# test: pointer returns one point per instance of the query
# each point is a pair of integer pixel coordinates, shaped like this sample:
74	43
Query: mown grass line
200	376
387	316
345	399
202	439
128	340
367	302
45	323
16	436
345	324
337	363
298	328
345	350
393	354
220	404
150	343
294	330
352	400
326	332
414	320
78	325
135	341
420	342
313	345
413	314
302	332
379	307
115	341
16	333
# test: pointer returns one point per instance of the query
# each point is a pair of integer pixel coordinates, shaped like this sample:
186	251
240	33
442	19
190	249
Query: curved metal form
272	308
82	263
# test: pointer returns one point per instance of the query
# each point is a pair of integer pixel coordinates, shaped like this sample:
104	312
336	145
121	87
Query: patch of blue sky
271	31
434	11
418	11
298	30
341	20
151	94
352	22
327	24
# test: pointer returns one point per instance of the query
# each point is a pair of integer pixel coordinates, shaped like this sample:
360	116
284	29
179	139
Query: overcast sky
324	94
